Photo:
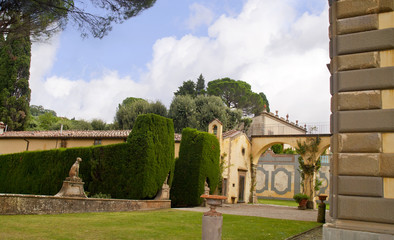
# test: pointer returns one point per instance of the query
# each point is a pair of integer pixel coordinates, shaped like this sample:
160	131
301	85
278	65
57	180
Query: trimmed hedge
198	162
153	147
133	170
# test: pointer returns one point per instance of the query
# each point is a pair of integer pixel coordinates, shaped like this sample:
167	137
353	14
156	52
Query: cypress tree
15	54
200	86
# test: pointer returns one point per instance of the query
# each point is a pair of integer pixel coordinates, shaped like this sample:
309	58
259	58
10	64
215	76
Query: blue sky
279	47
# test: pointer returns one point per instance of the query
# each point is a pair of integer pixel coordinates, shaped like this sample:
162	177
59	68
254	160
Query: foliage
234	119
39	110
15	51
47	122
131	108
289	151
198	162
183	112
200	86
299	197
265	100
43	18
198	112
192	89
136	169
152	148
188	88
277	148
237	94
208	108
318	184
98	124
308	150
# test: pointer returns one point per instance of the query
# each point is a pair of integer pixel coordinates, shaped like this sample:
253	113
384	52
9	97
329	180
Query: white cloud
199	16
266	45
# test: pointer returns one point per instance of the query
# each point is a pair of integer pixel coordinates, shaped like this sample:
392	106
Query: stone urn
212	221
322	197
213	201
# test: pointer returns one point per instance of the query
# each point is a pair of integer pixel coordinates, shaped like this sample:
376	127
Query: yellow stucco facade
235	149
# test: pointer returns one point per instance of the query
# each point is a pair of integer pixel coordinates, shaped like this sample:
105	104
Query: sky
279	47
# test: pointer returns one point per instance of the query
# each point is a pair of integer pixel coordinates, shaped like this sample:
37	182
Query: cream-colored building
271	124
235	146
235	149
19	141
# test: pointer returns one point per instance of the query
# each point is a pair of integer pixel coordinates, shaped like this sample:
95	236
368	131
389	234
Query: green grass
161	224
289	203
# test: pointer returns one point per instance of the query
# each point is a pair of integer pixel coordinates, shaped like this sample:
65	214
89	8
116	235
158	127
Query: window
97	141
224	187
63	143
215	130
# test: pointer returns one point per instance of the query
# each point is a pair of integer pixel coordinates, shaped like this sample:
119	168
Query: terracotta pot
302	204
322	197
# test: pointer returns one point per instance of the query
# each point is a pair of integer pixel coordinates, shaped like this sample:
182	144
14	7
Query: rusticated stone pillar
362	122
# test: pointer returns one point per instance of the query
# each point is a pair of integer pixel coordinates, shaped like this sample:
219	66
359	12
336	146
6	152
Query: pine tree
15	54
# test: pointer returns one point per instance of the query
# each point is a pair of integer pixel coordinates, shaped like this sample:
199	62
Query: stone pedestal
164	193
72	188
212	227
212	221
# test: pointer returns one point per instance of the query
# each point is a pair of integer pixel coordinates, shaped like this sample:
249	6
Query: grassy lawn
161	224
283	202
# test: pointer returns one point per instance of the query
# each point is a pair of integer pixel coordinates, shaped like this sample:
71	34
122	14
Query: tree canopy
191	88
188	88
200	111
237	94
44	17
131	108
15	52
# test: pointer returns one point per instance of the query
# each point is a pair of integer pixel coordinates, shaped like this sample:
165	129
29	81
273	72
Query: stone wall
362	122
12	204
278	176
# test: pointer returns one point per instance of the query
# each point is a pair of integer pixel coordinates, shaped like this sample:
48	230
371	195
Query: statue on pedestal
73	185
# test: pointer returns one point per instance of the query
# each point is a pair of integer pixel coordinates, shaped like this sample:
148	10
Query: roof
68	134
73	134
231	133
283	121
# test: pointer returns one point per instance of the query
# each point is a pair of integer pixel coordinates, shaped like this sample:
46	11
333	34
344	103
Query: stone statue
74	171
73	185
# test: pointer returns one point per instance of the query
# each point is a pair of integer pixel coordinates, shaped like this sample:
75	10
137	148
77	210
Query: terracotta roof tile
231	133
67	134
74	134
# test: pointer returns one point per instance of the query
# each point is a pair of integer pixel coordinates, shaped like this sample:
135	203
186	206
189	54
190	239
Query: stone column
362	122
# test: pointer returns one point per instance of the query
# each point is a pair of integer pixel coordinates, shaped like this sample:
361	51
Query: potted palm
301	199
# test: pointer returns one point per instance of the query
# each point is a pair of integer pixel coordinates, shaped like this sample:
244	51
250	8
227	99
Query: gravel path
272	211
263	210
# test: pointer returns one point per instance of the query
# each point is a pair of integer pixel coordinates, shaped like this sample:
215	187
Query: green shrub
152	147
134	170
299	197
40	172
198	162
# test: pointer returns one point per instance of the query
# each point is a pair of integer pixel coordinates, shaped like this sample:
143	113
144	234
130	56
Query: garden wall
16	204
